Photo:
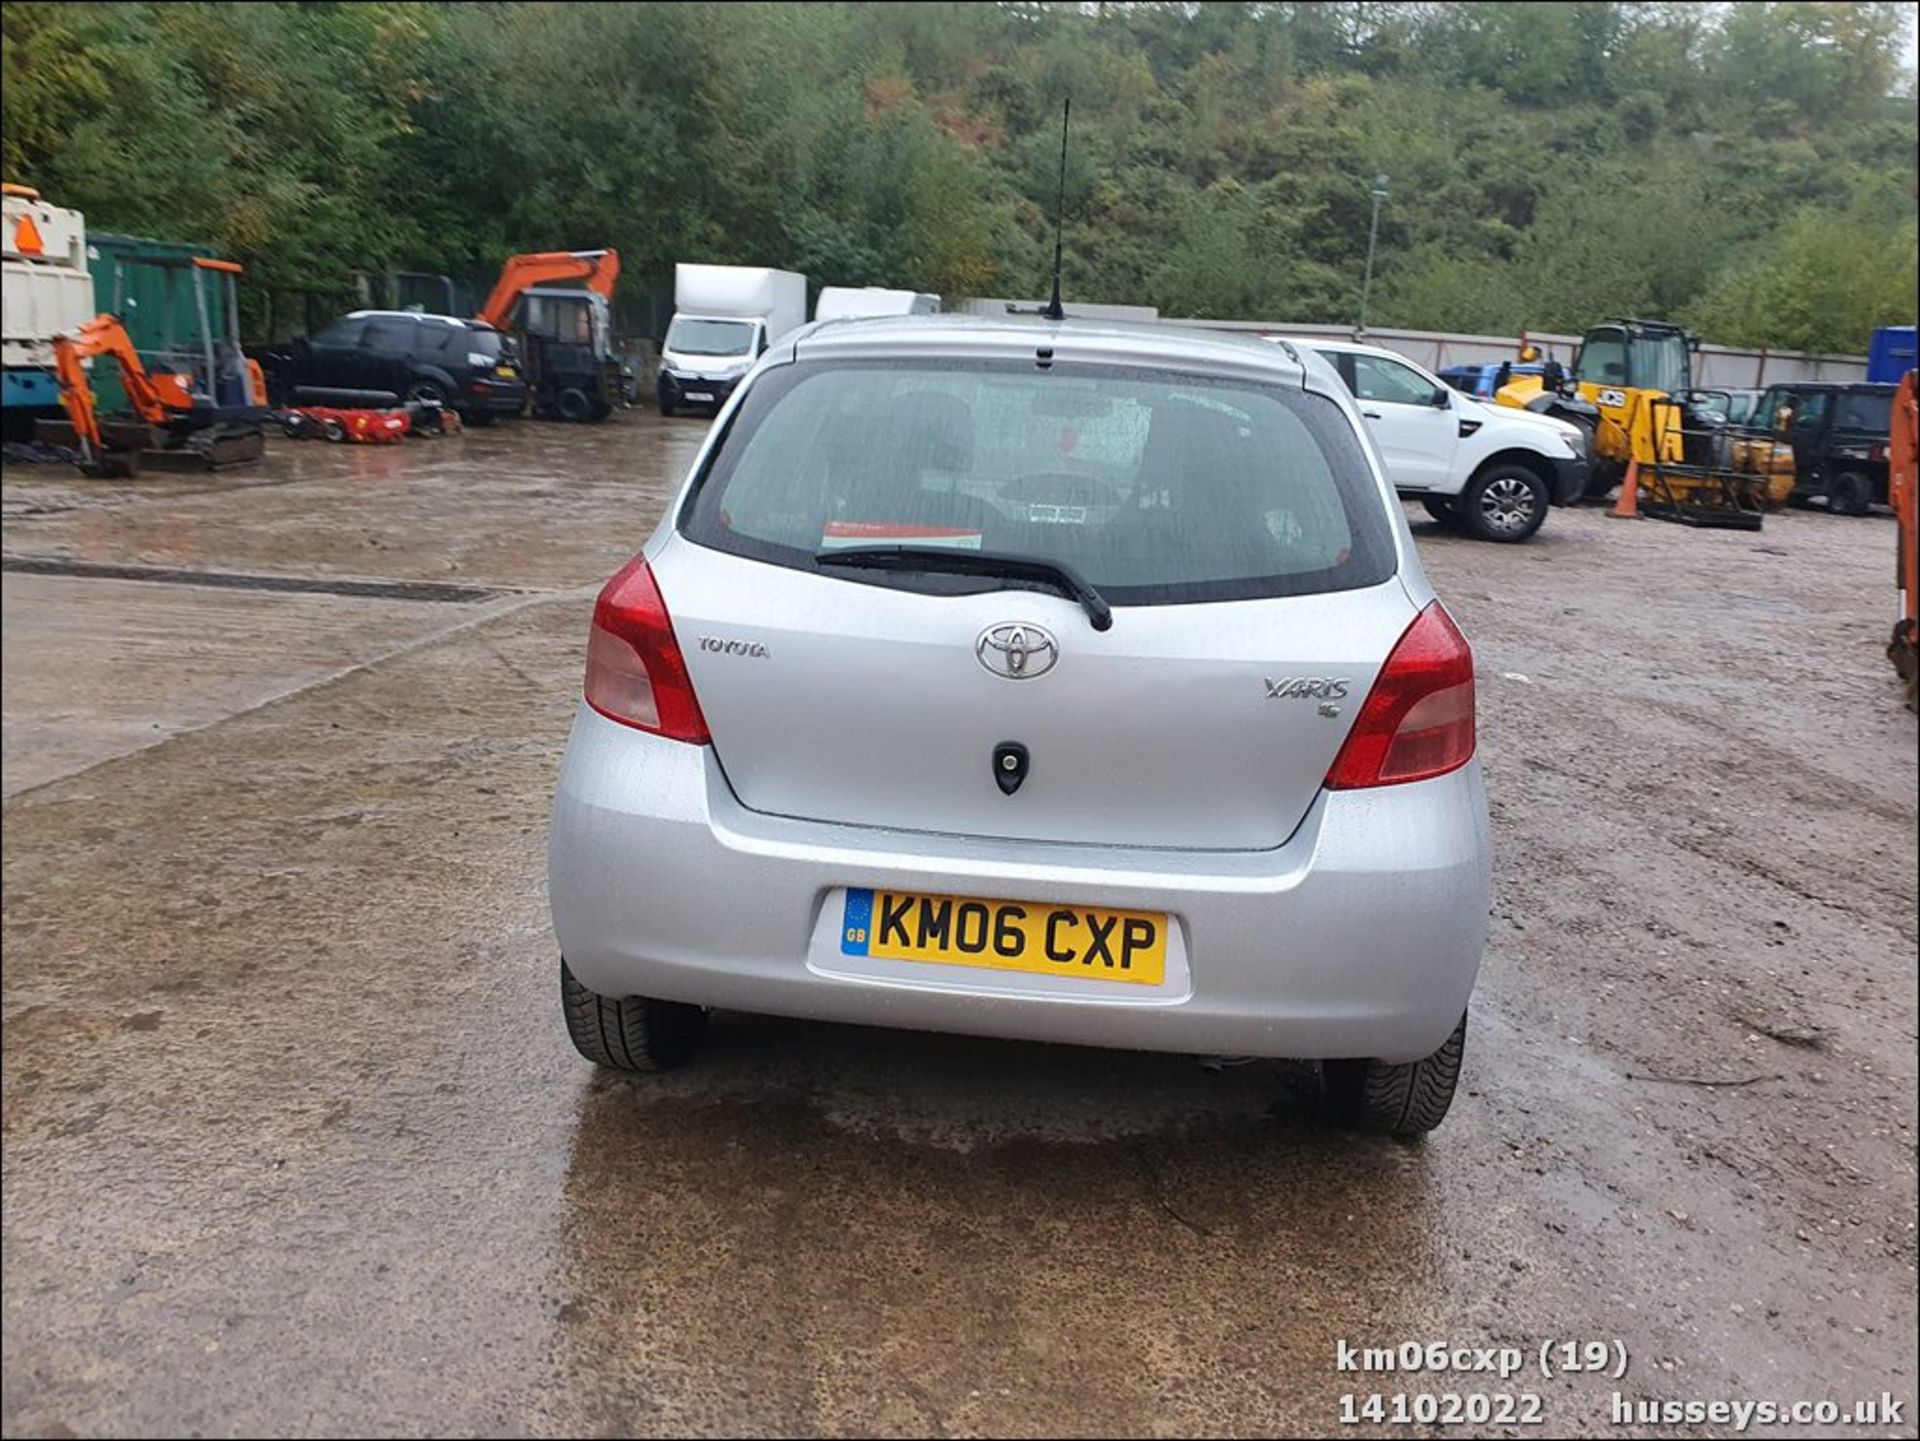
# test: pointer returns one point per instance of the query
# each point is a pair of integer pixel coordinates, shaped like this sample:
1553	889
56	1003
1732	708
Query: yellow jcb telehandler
1631	391
1620	369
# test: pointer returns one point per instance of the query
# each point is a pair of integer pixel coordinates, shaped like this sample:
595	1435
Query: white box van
725	317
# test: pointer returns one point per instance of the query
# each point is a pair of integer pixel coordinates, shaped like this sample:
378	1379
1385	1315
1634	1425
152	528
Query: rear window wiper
1055	574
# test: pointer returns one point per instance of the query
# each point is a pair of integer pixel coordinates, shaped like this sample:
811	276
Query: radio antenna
1053	310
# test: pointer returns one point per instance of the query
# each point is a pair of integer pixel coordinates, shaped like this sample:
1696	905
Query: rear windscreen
1155	486
1866	410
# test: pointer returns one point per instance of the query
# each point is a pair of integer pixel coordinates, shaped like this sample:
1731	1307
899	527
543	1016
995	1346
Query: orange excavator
180	419
1903	489
565	333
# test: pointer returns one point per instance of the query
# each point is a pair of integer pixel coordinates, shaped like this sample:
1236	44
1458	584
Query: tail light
1418	718
635	672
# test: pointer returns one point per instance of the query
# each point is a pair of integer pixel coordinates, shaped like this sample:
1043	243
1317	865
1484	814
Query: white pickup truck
1491	470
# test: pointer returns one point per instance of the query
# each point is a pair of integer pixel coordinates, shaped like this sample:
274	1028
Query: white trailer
725	317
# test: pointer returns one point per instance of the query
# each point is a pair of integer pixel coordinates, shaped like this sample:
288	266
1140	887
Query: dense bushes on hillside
1740	167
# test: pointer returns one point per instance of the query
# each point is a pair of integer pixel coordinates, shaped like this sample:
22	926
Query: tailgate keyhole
1009	765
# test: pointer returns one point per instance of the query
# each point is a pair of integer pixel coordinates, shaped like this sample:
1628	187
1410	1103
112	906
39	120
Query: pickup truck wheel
630	1033
1397	1100
1443	508
1849	493
1504	502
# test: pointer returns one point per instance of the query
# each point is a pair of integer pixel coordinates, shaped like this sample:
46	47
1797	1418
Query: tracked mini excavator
565	334
206	415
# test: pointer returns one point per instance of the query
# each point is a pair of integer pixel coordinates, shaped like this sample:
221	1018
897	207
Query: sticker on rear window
842	533
1056	514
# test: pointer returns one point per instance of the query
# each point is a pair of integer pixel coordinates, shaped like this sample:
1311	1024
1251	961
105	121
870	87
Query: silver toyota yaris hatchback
1046	680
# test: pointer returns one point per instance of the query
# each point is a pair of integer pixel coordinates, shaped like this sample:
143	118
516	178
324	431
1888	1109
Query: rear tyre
427	390
1849	493
1443	508
1397	1100
630	1033
575	405
1504	503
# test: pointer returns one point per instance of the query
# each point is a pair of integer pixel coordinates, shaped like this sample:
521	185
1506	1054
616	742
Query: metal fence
1720	367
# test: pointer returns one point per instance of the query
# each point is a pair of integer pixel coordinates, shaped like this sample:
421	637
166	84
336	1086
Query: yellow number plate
1050	940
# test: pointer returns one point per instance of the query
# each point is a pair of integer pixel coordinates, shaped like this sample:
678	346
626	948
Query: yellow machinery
1631	391
1763	450
1621	368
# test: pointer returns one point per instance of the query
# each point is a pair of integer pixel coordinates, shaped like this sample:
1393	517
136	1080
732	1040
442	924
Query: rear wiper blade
1056	574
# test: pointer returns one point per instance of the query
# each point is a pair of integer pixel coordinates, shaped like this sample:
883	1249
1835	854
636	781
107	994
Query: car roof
1872	387
1111	341
460	320
1354	347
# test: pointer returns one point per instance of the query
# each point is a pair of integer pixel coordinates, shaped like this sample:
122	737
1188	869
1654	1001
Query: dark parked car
464	364
1839	435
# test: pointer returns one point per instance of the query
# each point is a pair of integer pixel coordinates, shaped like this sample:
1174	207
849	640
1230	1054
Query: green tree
1747	167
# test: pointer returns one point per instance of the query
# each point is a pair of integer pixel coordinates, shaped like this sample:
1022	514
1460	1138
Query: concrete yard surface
294	1141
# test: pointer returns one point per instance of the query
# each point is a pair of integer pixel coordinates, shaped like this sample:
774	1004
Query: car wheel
1849	493
1397	1100
575	404
665	397
630	1033
1443	508
427	390
1504	502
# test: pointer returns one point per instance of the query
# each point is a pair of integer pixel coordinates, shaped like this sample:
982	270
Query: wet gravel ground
294	1140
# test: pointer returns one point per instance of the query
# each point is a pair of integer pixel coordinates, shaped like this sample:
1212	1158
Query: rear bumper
1359	937
496	397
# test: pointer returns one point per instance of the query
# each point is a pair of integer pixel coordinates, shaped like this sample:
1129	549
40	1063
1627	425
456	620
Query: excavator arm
598	268
156	398
1903	489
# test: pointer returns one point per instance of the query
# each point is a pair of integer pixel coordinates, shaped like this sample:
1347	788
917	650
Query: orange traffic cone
1628	506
